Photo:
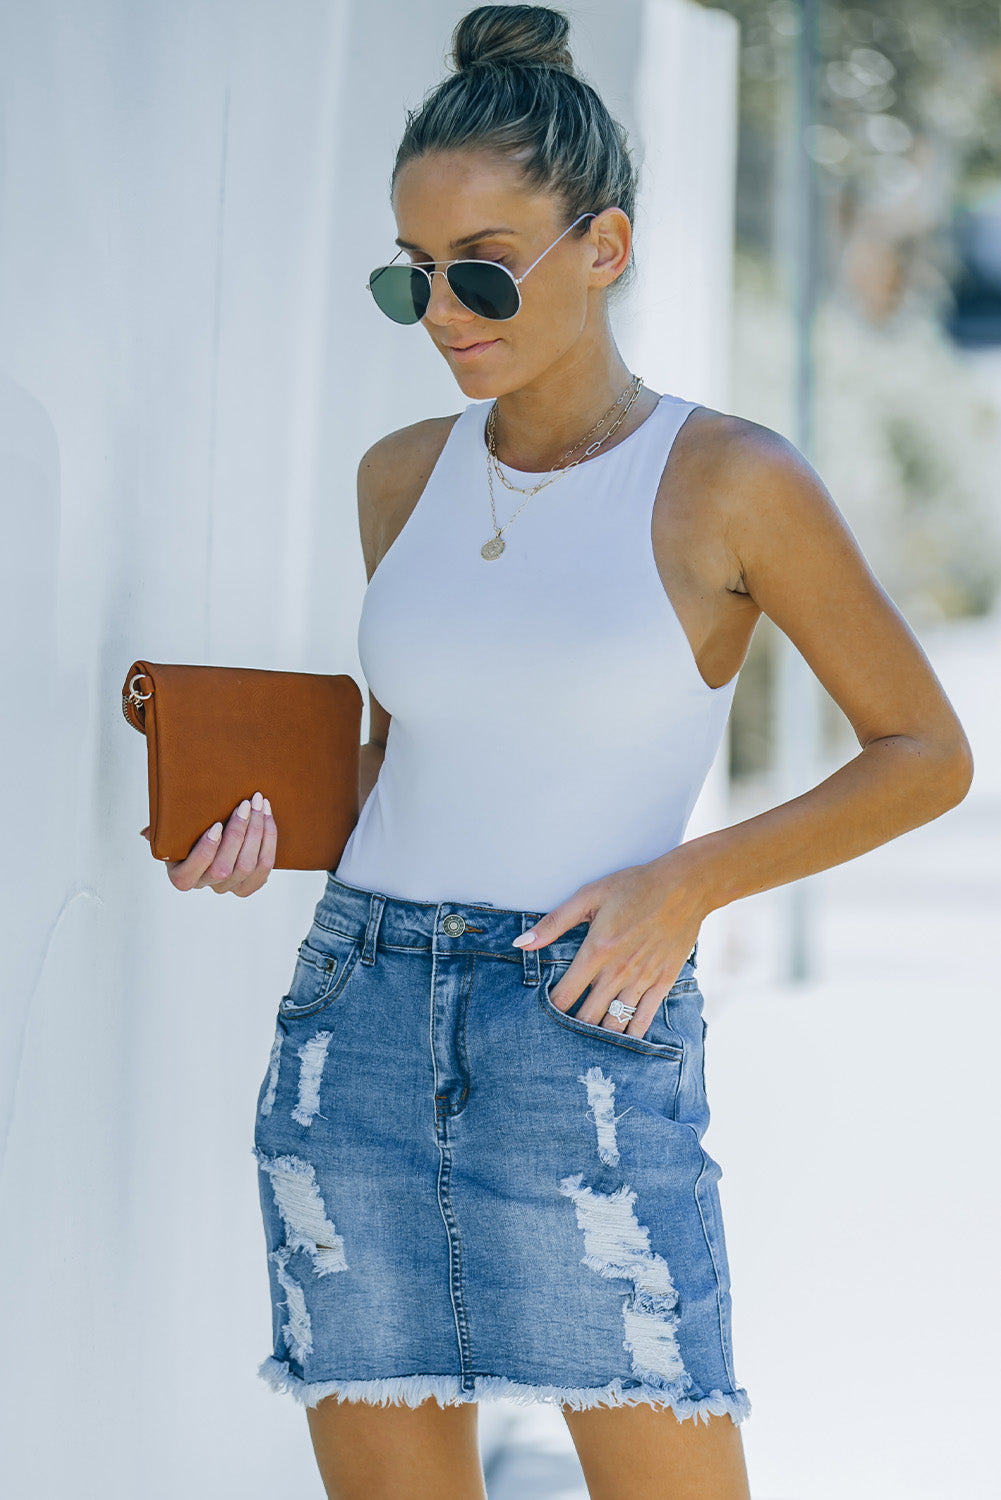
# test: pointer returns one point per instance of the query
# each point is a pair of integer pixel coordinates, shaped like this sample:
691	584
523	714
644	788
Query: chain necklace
534	489
494	545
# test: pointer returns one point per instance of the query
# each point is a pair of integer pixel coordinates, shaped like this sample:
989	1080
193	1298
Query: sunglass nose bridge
449	291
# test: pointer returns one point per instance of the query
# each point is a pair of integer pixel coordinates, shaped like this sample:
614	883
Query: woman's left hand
644	921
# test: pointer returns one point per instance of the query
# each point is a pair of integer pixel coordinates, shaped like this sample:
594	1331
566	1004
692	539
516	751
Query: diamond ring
620	1011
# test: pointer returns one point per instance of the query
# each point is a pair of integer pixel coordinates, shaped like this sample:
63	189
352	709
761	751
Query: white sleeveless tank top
549	723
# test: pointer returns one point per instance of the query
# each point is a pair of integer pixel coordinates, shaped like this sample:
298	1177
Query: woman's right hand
239	861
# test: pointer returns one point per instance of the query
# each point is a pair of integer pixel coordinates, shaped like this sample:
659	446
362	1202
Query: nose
443	305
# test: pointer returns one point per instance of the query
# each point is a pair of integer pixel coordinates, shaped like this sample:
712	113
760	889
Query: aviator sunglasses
484	287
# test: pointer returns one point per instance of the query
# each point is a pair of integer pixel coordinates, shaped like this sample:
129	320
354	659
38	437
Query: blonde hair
513	90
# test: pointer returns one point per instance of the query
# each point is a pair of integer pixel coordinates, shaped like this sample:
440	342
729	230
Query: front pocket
655	1043
321	973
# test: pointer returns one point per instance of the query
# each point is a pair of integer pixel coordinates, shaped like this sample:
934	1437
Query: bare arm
800	563
802	566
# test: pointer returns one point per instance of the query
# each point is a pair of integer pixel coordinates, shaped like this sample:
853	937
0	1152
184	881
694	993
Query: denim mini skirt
469	1193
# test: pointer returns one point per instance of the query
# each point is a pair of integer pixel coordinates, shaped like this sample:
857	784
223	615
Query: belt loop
375	908
529	956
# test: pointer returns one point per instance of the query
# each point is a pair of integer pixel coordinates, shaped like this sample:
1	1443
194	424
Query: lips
469	348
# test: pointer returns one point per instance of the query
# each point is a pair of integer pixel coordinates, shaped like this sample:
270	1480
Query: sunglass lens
401	292
487	290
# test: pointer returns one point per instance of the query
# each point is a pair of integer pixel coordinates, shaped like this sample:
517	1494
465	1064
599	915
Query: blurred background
191	197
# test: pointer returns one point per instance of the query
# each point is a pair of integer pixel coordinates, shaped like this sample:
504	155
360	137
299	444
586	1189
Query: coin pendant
492	548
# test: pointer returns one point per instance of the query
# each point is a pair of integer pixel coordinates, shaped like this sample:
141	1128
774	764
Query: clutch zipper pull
132	701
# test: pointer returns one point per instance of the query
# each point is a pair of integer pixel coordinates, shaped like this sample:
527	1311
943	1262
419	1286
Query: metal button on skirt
469	1193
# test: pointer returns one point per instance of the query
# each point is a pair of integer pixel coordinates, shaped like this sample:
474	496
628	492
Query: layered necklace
494	546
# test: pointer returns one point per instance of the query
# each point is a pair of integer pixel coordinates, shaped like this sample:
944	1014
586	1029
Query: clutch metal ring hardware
134	697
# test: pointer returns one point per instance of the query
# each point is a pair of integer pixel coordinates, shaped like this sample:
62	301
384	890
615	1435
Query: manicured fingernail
267	807
524	940
257	802
215	832
243	811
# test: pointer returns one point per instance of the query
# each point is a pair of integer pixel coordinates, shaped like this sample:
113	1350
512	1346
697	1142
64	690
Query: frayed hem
412	1390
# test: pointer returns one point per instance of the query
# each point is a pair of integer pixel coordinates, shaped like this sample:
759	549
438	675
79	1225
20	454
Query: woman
479	1135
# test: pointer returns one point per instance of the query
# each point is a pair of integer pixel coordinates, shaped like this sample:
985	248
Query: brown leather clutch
215	735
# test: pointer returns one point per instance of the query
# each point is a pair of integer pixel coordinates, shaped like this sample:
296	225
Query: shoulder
740	451
787	540
756	470
391	460
760	482
391	476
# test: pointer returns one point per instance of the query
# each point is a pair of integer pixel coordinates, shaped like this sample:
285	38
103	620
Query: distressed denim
469	1193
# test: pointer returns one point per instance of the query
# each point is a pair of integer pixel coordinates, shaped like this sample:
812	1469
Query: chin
480	387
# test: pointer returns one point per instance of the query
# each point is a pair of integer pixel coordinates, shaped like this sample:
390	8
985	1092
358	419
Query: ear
611	234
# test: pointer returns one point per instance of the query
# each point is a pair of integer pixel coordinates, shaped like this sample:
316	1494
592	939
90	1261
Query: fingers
645	1005
211	861
646	1008
236	857
580	908
604	992
608	994
269	843
248	875
246	859
187	874
266	844
247	850
218	873
590	966
622	959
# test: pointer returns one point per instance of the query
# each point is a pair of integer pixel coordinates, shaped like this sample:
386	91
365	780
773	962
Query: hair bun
512	35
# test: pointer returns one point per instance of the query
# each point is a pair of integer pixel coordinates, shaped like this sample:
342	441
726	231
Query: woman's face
465	205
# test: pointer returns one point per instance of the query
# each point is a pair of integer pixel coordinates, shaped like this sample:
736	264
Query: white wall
191	195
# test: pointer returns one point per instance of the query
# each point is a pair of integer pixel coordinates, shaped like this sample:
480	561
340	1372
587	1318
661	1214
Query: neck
536	424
